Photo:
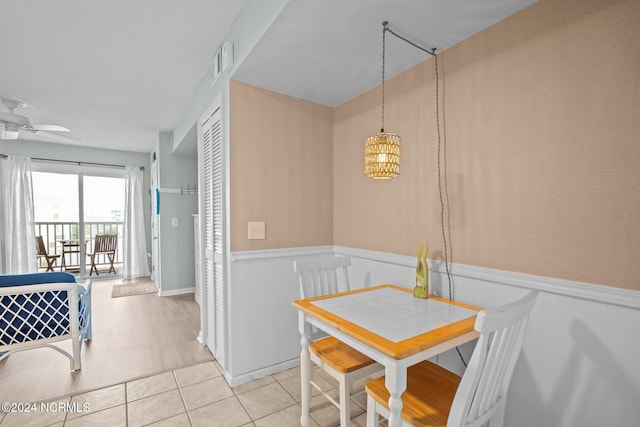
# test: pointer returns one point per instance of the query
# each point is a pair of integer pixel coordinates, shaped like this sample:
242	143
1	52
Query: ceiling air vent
222	61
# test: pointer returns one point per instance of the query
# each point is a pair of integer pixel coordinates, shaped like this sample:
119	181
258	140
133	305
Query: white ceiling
117	72
330	51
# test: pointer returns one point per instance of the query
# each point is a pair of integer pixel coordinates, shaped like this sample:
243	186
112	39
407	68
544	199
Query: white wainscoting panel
580	364
263	325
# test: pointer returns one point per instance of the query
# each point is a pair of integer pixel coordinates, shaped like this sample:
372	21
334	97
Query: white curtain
19	231
134	242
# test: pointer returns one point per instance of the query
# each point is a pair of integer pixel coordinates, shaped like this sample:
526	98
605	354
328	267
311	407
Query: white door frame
155	222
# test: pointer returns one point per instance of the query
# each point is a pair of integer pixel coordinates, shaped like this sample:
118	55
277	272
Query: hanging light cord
384	31
442	205
386	28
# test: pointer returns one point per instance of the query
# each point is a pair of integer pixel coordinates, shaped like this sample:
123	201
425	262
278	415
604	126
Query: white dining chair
323	276
437	397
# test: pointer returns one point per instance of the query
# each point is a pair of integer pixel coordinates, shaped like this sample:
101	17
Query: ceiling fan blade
50	128
44	136
60	138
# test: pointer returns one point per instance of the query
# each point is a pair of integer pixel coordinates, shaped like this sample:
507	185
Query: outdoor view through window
57	214
56	198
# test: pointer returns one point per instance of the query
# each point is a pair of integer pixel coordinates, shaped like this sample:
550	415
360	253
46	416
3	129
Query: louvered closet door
212	215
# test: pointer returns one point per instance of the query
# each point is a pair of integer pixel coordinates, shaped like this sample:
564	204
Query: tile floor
194	396
133	337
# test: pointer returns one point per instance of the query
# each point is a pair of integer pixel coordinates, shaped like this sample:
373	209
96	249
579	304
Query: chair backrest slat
105	243
42	250
484	386
322	275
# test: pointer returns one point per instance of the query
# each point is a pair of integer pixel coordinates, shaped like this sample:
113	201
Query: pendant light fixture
382	149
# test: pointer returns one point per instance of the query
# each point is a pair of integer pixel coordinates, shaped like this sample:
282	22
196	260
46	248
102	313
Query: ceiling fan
11	124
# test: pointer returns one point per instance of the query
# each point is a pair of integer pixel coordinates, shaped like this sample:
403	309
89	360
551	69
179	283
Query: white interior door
210	146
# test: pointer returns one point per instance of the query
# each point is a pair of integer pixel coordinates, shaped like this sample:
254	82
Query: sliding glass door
73	208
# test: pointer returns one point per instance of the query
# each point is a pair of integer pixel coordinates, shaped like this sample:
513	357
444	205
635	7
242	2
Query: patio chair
104	244
43	253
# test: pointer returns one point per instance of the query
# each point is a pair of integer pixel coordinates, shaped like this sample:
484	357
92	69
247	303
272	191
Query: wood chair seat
437	397
339	355
428	397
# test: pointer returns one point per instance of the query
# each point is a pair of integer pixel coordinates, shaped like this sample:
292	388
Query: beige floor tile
292	385
319	372
251	385
42	414
155	408
181	420
196	373
97	400
292	372
325	414
112	417
360	399
361	421
286	417
205	393
265	400
361	383
148	386
225	413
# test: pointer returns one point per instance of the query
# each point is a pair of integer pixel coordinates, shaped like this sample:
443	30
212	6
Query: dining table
388	324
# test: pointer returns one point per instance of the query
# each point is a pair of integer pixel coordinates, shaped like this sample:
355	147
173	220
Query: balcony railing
54	233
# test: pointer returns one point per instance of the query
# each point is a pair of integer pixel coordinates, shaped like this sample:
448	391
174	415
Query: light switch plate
257	230
174	222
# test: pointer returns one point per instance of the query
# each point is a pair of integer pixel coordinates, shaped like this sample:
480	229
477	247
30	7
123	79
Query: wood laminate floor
144	366
133	337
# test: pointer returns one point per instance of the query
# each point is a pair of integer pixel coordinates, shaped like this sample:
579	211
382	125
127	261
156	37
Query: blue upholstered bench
39	309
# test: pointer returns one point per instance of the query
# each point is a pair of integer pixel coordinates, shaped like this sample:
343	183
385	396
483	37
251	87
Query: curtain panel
134	240
18	216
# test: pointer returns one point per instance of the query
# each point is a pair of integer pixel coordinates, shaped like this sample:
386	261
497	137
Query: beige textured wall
281	169
541	121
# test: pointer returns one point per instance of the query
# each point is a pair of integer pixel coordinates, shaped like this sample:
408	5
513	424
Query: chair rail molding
265	254
588	291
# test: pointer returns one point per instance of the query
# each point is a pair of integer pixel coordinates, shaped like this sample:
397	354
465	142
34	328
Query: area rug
134	288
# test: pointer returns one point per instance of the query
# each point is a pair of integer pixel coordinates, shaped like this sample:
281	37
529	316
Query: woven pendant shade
382	155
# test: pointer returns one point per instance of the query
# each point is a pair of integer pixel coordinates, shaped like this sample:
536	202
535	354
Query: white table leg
305	369
396	383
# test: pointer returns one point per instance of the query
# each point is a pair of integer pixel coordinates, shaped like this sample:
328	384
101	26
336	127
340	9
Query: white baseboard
260	373
173	292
